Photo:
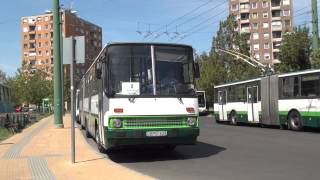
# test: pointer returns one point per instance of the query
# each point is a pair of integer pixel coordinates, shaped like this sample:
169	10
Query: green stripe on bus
302	113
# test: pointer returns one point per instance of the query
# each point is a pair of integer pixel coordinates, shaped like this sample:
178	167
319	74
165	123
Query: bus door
222	97
252	99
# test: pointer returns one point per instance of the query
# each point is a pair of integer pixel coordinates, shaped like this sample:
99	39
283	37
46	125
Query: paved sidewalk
42	152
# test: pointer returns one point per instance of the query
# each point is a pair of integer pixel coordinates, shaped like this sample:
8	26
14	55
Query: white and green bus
289	100
140	94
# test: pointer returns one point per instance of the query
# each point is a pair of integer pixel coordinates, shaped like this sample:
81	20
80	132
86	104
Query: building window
25	29
234	7
265	4
267	56
47	53
266	35
265	14
47	43
46	18
39	19
255	26
286	2
47	61
286	12
287	23
39	44
39	36
254	5
254	15
257	56
31	45
25	20
47	27
39	28
256	47
266	45
46	35
25	37
265	25
40	53
255	36
25	46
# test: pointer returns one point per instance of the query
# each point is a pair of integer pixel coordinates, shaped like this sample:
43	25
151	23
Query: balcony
244	1
245	28
275	4
244	7
276	25
276	15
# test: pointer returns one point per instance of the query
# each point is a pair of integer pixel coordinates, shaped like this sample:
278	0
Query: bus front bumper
128	137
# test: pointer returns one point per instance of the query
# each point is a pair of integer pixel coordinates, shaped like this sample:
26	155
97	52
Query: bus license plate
156	133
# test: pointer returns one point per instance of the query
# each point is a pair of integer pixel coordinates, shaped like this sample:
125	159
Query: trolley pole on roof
57	65
315	27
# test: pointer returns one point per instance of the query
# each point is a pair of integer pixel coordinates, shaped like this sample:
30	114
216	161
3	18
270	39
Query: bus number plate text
156	133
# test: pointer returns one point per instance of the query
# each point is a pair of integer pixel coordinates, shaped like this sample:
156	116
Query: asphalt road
227	152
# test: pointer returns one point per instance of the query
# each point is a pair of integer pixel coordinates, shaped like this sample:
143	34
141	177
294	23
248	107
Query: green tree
315	59
228	38
30	88
295	51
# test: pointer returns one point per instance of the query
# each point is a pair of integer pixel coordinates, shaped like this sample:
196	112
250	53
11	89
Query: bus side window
310	86
290	87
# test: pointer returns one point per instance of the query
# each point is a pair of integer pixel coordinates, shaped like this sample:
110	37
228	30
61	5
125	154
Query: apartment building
266	21
37	42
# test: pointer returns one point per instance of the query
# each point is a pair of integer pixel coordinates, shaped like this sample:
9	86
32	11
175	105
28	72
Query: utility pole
57	65
315	27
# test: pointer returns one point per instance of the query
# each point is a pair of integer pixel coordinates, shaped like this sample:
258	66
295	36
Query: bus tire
87	130
294	120
233	118
98	141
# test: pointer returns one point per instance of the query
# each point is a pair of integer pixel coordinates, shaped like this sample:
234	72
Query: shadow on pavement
150	154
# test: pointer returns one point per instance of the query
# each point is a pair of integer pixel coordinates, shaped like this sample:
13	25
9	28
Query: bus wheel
233	118
295	121
97	138
283	127
87	131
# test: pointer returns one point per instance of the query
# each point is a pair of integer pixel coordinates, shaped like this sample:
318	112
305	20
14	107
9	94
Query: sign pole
72	100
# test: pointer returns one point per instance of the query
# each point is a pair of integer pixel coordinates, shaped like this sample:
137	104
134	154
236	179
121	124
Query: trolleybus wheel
233	118
87	131
295	121
97	138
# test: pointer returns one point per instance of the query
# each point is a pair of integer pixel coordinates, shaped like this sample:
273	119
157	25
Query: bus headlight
191	121
117	123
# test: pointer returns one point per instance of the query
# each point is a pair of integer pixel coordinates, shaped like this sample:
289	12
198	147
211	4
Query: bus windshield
132	70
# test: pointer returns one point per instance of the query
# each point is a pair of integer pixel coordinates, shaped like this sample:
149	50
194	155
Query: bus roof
237	82
147	43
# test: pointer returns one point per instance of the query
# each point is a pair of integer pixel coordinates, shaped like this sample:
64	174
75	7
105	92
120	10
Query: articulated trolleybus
289	100
140	94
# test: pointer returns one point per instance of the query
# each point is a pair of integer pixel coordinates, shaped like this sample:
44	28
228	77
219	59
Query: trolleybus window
130	64
290	87
174	70
131	70
310	86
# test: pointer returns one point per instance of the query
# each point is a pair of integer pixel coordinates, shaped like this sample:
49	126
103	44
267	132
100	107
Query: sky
192	22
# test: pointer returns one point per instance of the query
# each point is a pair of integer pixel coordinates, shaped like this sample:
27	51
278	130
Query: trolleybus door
252	99
222	97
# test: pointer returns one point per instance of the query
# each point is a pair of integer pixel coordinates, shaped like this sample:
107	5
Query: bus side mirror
196	71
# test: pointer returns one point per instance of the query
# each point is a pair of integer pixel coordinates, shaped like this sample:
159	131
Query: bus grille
154	123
